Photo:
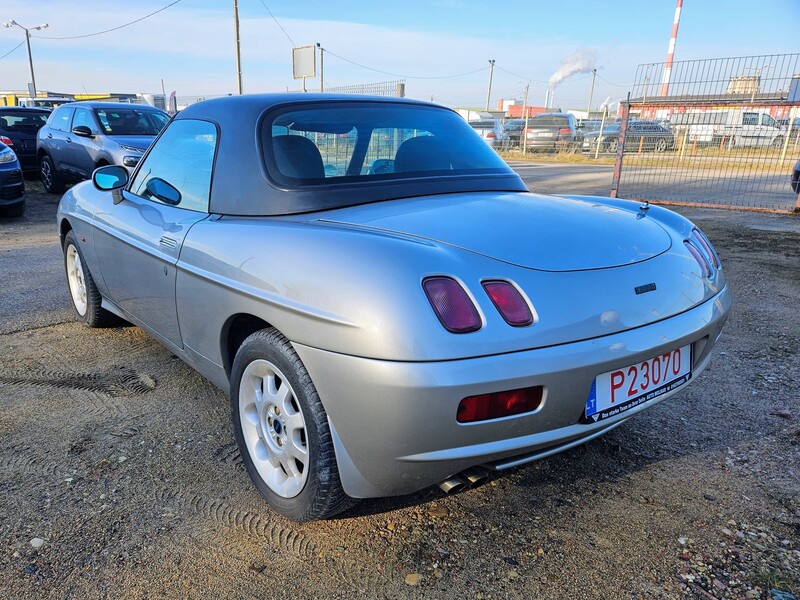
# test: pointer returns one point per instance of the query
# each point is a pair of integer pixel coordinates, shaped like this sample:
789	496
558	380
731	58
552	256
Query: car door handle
69	140
50	136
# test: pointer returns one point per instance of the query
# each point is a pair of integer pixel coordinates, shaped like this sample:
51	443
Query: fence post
623	128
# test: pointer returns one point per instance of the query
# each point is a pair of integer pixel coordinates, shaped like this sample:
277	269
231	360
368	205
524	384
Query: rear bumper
394	424
12	187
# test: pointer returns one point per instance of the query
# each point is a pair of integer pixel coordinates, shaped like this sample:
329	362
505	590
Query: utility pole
321	66
525	111
28	30
591	93
489	93
238	52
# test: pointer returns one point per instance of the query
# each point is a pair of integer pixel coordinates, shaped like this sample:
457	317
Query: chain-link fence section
721	132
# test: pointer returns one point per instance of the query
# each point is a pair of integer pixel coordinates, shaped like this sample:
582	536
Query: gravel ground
119	476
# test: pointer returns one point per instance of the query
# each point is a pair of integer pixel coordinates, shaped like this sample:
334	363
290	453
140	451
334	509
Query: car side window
84	117
177	170
767	120
61	118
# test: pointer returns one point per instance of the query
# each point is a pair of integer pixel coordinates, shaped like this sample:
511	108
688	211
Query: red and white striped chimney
671	51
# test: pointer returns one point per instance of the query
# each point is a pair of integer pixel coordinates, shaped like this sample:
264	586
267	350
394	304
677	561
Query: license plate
616	391
544	134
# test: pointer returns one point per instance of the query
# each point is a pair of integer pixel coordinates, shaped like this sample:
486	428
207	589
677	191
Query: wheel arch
64	227
234	332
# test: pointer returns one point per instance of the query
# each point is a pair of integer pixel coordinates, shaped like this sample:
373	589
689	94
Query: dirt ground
119	477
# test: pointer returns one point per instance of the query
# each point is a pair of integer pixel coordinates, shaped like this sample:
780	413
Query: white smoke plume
582	61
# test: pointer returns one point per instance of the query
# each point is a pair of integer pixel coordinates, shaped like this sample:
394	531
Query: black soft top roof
241	185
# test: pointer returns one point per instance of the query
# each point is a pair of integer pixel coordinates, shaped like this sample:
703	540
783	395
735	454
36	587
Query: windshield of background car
130	121
347	143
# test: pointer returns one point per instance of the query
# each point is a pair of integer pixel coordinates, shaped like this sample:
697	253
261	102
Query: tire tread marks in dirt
122	382
251	524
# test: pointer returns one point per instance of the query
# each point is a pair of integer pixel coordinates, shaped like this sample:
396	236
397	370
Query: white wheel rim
77	286
273	428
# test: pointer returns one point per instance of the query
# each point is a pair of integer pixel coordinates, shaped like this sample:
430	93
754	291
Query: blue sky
190	45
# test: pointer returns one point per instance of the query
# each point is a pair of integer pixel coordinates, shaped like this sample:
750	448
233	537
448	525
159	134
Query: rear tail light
499	404
6	141
509	303
490	136
452	304
564	131
702	241
698	256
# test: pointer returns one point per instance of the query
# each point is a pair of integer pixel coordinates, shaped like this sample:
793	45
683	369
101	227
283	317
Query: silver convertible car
386	303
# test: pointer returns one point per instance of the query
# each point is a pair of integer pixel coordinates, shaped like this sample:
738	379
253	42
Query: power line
352	62
291	41
622	85
12	50
75	37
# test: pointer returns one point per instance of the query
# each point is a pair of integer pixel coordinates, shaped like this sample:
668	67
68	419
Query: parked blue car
12	185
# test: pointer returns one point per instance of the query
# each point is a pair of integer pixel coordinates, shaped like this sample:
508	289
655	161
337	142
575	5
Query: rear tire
282	430
86	299
660	145
50	180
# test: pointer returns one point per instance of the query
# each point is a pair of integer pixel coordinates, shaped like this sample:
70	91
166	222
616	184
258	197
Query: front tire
86	299
50	180
282	430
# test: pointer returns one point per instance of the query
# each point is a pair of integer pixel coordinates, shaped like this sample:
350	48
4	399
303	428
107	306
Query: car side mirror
381	166
82	131
161	190
111	178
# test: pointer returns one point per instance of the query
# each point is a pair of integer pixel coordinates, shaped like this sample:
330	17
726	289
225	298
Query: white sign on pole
304	62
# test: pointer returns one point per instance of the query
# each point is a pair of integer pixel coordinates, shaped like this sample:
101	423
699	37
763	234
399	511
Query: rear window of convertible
345	143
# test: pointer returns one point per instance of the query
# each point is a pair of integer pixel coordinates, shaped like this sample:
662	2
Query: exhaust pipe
475	476
453	484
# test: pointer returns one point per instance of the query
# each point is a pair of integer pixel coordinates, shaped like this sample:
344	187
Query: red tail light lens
509	303
6	141
702	241
499	404
451	304
699	258
564	131
490	136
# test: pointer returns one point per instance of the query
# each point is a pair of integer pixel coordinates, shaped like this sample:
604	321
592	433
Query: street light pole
28	30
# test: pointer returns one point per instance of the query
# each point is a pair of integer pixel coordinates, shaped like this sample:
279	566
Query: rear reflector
509	303
499	404
452	304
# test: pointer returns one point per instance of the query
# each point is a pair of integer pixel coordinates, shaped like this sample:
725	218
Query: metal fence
720	132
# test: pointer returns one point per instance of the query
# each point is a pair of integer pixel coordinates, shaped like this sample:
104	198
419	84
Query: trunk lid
546	233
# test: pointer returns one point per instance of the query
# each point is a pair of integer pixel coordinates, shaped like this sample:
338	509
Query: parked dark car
12	185
647	135
18	128
796	178
82	136
513	129
552	131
